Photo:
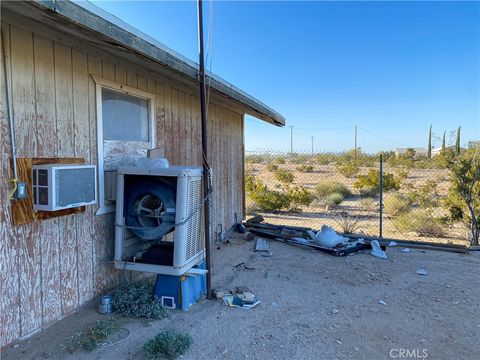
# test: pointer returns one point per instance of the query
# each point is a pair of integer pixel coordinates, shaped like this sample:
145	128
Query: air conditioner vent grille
195	242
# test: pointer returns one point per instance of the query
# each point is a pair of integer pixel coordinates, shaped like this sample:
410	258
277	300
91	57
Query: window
125	117
125	130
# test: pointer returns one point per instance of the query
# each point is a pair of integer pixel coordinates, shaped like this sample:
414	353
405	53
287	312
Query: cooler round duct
150	209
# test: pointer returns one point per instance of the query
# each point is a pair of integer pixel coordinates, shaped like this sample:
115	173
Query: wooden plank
23	91
142	82
173	139
132	78
168	138
108	70
99	221
121	74
83	221
182	128
9	271
66	148
160	115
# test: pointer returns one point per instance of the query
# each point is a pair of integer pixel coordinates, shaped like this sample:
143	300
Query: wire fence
342	190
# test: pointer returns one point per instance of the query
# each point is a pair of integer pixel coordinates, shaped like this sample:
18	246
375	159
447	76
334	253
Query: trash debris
382	302
377	250
328	237
405	250
241	297
262	244
422	272
306	237
392	243
335	311
268	254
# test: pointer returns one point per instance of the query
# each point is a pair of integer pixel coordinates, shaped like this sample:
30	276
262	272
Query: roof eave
90	16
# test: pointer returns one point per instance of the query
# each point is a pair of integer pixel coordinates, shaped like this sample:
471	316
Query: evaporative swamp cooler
159	219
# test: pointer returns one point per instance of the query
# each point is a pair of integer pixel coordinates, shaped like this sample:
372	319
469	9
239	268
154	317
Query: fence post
381	197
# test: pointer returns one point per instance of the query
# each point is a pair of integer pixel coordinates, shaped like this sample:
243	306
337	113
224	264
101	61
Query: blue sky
392	68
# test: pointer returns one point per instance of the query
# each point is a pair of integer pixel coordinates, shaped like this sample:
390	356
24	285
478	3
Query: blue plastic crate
185	290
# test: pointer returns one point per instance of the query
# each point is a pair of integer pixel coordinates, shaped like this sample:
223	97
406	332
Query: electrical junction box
63	186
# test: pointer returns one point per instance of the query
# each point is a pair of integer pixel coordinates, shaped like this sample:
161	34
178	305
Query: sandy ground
314	306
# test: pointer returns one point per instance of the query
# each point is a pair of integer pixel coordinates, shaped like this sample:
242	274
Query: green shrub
426	195
299	159
304	168
348	169
401	174
255	159
372	180
279	160
94	334
272	167
396	203
136	300
167	344
324	159
299	196
284	176
420	222
326	188
334	199
368	192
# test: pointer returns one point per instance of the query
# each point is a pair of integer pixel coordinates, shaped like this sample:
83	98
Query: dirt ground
313	306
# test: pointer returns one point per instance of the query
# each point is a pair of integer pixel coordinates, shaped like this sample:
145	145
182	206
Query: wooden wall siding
49	268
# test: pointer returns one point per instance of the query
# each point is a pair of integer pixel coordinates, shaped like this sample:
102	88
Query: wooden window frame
101	83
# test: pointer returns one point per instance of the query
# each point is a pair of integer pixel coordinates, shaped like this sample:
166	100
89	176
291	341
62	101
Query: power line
326	129
381	137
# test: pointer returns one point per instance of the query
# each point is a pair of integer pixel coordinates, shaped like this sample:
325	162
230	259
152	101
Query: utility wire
381	137
326	129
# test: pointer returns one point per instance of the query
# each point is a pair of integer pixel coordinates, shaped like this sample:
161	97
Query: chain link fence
343	190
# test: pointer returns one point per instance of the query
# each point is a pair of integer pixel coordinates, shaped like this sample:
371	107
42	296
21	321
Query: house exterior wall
50	268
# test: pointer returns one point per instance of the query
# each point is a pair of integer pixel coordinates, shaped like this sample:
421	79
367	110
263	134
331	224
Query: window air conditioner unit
60	186
159	219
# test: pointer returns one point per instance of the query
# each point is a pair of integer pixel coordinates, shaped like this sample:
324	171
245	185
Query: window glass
125	117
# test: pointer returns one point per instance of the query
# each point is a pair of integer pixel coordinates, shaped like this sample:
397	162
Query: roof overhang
96	25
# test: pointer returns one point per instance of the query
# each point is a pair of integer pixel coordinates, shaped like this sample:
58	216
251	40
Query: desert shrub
348	224
326	188
167	344
284	176
348	169
135	299
368	192
420	222
372	180
299	159
269	200
396	203
426	195
272	167
304	168
255	159
94	334
279	160
299	196
334	199
367	204
324	159
401	174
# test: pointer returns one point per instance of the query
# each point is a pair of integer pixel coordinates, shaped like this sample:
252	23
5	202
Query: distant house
418	151
438	150
73	70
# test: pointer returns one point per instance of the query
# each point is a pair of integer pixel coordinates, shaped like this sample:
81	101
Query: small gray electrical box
21	192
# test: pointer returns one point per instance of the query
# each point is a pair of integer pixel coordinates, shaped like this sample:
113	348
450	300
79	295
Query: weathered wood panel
23	97
66	147
9	244
83	223
47	147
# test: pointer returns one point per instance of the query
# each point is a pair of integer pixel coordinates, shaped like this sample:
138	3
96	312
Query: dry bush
396	203
348	224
